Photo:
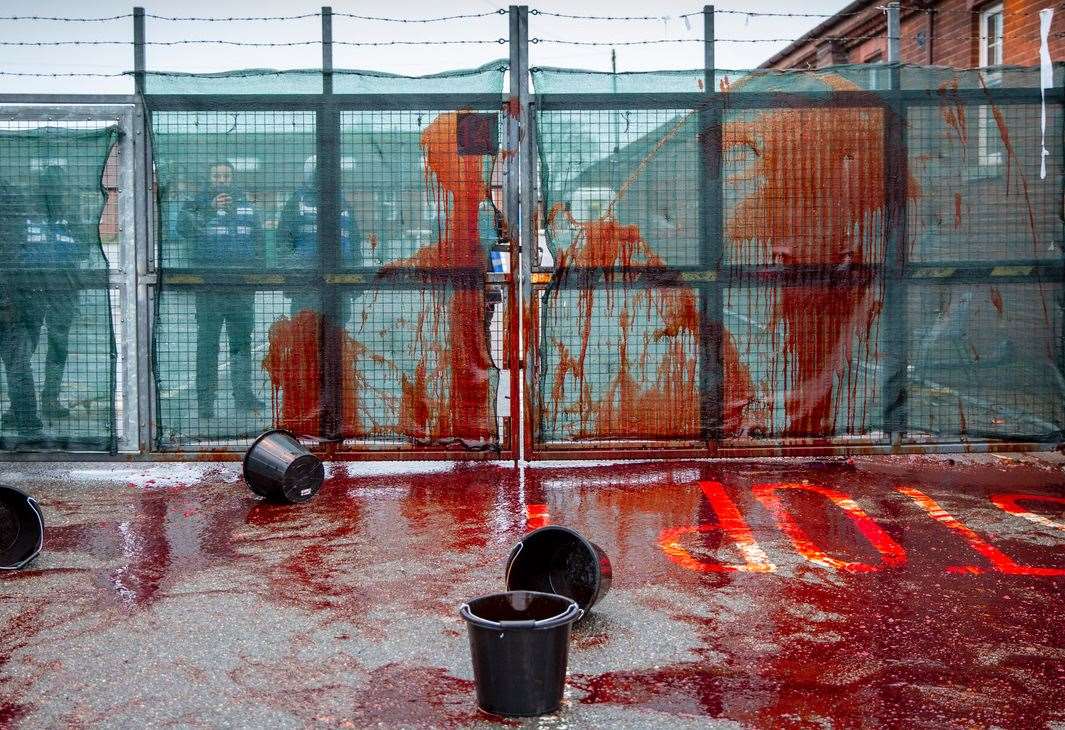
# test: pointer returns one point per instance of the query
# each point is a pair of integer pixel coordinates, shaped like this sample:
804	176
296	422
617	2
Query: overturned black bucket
559	560
519	643
21	528
279	468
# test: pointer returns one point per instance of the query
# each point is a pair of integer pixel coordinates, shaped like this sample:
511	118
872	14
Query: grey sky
406	60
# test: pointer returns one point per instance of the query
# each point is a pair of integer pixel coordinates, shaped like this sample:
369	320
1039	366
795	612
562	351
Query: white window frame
985	136
985	15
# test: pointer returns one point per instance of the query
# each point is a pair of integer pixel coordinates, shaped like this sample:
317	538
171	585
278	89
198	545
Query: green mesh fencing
57	345
804	256
382	334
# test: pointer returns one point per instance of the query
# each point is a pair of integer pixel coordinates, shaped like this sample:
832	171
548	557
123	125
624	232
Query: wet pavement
906	592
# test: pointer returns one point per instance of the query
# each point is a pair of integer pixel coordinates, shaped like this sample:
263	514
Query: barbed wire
657	41
445	18
231	19
441	19
59	19
535	11
256	44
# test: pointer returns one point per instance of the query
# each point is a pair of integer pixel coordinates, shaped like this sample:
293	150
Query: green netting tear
383	334
789	272
58	234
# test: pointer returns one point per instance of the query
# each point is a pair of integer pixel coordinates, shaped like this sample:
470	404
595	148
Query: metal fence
848	260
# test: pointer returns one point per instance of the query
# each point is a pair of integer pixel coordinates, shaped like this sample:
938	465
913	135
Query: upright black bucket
279	468
21	528
519	642
559	560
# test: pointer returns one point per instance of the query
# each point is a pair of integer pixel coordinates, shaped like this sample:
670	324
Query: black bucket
519	642
279	468
21	528
559	560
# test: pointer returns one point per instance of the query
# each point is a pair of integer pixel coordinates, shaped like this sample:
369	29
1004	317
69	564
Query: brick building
958	33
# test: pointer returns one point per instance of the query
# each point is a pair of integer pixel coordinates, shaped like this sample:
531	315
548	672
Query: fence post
327	169
138	50
521	231
896	183
711	301
143	237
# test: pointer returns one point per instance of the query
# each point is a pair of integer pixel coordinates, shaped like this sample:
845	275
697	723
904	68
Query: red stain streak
819	204
996	299
686	689
655	391
1001	562
146	554
293	364
892	554
1011	502
957	210
448	397
953	109
731	523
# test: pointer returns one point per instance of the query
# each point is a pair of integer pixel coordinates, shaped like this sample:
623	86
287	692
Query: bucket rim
15	495
570	614
260	437
588	545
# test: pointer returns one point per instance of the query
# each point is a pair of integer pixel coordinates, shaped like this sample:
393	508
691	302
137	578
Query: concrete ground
918	592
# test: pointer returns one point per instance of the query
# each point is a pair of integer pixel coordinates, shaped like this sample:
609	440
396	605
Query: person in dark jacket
55	244
297	237
224	231
17	317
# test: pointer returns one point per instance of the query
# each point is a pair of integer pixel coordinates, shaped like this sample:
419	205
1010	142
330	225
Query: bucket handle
573	608
510	563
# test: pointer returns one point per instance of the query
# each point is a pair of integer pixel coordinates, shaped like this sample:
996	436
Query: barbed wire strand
658	41
444	18
256	44
59	19
441	19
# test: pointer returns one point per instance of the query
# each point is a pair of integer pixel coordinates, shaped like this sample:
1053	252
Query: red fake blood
1001	562
891	553
692	688
996	299
293	364
730	522
953	109
820	205
1012	503
146	554
448	397
655	391
957	210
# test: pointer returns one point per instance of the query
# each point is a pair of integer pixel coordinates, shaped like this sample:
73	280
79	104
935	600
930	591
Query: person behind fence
56	244
224	231
17	307
297	236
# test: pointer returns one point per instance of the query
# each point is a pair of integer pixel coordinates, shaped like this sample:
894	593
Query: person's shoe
54	409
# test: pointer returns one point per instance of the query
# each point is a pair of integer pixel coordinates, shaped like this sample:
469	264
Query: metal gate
683	264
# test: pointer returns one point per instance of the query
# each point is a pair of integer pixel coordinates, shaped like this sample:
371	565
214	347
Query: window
991	36
874	73
990	53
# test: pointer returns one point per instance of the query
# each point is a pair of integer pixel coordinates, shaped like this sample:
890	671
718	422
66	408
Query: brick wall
953	40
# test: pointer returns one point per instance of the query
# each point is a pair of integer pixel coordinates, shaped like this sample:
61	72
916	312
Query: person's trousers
60	309
16	348
236	310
